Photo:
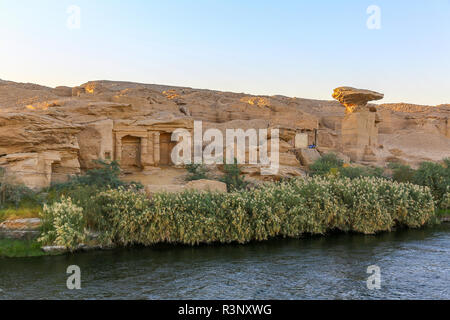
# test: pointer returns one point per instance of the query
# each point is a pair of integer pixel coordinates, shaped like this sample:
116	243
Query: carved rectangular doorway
131	152
165	149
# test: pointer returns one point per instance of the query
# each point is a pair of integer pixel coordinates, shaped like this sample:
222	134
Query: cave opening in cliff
165	149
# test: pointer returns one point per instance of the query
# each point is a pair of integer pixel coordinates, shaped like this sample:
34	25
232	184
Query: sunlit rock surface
48	134
354	99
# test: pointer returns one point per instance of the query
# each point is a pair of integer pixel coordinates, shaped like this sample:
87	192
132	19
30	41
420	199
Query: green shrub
24	211
446	163
196	172
330	164
376	204
82	196
233	177
106	175
63	224
357	172
401	172
434	176
13	193
323	165
445	204
82	189
429	174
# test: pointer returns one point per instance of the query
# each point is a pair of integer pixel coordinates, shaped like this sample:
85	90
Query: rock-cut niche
131	152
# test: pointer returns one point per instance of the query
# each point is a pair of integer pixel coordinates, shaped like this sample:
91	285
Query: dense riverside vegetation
18	201
336	196
430	174
288	209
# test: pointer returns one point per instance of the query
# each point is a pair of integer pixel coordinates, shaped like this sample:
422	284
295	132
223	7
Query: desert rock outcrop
48	134
359	128
355	99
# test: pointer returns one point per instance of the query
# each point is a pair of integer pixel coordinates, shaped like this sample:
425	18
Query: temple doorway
165	148
131	152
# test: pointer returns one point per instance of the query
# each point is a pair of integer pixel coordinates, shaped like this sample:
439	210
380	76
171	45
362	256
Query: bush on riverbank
81	188
18	201
433	175
25	211
445	205
330	164
63	224
289	209
430	174
14	194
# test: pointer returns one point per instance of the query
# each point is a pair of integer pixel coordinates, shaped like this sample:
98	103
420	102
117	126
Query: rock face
20	228
359	136
198	185
308	156
49	134
207	185
354	99
163	188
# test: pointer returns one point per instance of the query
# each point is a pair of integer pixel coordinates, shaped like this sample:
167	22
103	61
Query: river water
414	264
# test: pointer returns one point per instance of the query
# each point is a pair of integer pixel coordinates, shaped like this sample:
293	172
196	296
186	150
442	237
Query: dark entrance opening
165	149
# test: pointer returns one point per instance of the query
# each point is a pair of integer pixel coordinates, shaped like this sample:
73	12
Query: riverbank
13	248
19	248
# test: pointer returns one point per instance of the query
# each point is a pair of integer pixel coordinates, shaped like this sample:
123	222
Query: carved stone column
156	156
145	155
118	157
150	148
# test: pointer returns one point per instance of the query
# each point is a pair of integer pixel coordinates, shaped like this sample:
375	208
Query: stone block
308	156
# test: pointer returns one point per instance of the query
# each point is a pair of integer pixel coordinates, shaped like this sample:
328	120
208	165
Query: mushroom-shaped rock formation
355	99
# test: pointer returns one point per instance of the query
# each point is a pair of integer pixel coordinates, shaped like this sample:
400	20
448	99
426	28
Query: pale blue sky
295	48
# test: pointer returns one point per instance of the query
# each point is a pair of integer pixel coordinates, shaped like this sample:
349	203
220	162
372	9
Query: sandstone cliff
49	133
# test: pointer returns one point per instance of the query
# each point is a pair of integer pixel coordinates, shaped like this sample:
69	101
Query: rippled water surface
415	264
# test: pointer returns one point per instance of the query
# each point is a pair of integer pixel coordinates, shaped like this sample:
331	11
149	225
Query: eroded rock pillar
359	135
359	131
